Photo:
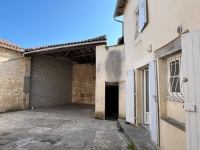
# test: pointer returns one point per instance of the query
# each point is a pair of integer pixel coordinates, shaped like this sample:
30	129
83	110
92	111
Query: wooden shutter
130	103
191	70
142	14
153	103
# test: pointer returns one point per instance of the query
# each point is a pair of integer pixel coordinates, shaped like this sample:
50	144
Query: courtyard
66	127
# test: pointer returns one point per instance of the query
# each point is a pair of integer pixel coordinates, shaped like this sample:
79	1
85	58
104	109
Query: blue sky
31	23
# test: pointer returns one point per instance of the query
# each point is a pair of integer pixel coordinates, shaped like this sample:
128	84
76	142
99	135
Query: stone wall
12	72
83	86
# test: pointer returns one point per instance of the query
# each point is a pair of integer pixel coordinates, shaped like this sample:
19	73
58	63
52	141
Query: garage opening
63	74
112	100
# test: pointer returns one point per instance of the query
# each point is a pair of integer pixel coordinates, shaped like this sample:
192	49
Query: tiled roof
97	39
8	44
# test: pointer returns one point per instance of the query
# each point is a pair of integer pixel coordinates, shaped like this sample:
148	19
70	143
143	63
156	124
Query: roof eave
11	48
65	46
120	7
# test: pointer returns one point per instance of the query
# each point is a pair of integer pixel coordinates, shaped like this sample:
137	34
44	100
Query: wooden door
191	85
153	103
130	102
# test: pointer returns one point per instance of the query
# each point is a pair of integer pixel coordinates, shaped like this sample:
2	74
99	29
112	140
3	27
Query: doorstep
136	136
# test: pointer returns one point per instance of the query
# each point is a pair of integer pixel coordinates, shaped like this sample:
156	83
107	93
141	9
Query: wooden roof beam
82	55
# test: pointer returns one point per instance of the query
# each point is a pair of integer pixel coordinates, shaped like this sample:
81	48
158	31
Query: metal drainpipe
122	25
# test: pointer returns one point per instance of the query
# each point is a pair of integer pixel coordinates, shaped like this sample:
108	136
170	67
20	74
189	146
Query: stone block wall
12	72
83	85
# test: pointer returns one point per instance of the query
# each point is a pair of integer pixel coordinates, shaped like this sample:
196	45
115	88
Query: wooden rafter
82	55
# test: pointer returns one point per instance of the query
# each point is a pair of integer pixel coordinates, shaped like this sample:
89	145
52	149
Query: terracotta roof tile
97	39
9	44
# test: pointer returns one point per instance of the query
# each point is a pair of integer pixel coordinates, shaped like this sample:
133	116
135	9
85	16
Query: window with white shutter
142	14
137	33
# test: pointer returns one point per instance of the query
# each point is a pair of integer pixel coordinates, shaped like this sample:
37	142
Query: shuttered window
142	14
137	32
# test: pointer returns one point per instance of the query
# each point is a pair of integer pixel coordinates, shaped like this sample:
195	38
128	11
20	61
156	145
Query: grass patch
131	146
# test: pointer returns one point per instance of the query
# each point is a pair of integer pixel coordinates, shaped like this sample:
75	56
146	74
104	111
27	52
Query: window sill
137	40
174	123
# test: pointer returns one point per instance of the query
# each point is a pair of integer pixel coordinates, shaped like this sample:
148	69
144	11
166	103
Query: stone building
77	72
14	74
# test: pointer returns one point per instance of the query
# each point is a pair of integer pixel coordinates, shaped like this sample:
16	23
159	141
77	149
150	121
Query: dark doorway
112	101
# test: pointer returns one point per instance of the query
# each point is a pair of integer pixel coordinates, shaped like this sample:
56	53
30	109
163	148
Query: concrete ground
69	127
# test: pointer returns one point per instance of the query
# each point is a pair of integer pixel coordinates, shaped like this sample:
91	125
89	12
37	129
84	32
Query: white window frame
138	38
174	95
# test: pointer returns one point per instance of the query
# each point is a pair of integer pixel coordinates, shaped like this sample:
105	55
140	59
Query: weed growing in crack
131	146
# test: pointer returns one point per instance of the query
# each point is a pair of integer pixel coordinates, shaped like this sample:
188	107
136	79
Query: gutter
122	25
115	15
65	46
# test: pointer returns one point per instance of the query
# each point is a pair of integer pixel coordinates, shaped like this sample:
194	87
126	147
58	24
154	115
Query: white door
146	96
153	103
130	103
191	86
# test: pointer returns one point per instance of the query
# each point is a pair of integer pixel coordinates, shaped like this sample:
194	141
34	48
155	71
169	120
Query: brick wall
12	80
83	87
51	81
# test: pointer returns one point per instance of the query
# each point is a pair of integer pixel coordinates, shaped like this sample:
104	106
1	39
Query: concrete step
145	130
135	136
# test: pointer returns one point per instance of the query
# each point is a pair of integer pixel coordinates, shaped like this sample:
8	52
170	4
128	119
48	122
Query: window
140	19
142	14
172	87
137	33
174	76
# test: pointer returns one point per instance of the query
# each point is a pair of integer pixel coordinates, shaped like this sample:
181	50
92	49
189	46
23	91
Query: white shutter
191	64
130	103
153	103
142	14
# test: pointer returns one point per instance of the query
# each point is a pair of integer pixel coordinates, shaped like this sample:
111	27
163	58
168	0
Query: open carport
63	73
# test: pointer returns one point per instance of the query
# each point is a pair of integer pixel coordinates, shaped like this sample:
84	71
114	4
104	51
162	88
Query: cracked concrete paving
68	127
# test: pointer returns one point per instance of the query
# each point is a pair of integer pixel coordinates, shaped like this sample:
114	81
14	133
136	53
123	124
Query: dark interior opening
112	101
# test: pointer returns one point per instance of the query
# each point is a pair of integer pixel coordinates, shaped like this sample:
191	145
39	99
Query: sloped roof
97	39
120	7
10	45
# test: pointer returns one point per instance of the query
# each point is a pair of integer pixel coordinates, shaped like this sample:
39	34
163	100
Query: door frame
145	114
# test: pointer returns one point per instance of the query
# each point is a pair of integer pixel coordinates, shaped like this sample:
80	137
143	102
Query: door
146	96
111	101
130	102
153	102
191	85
